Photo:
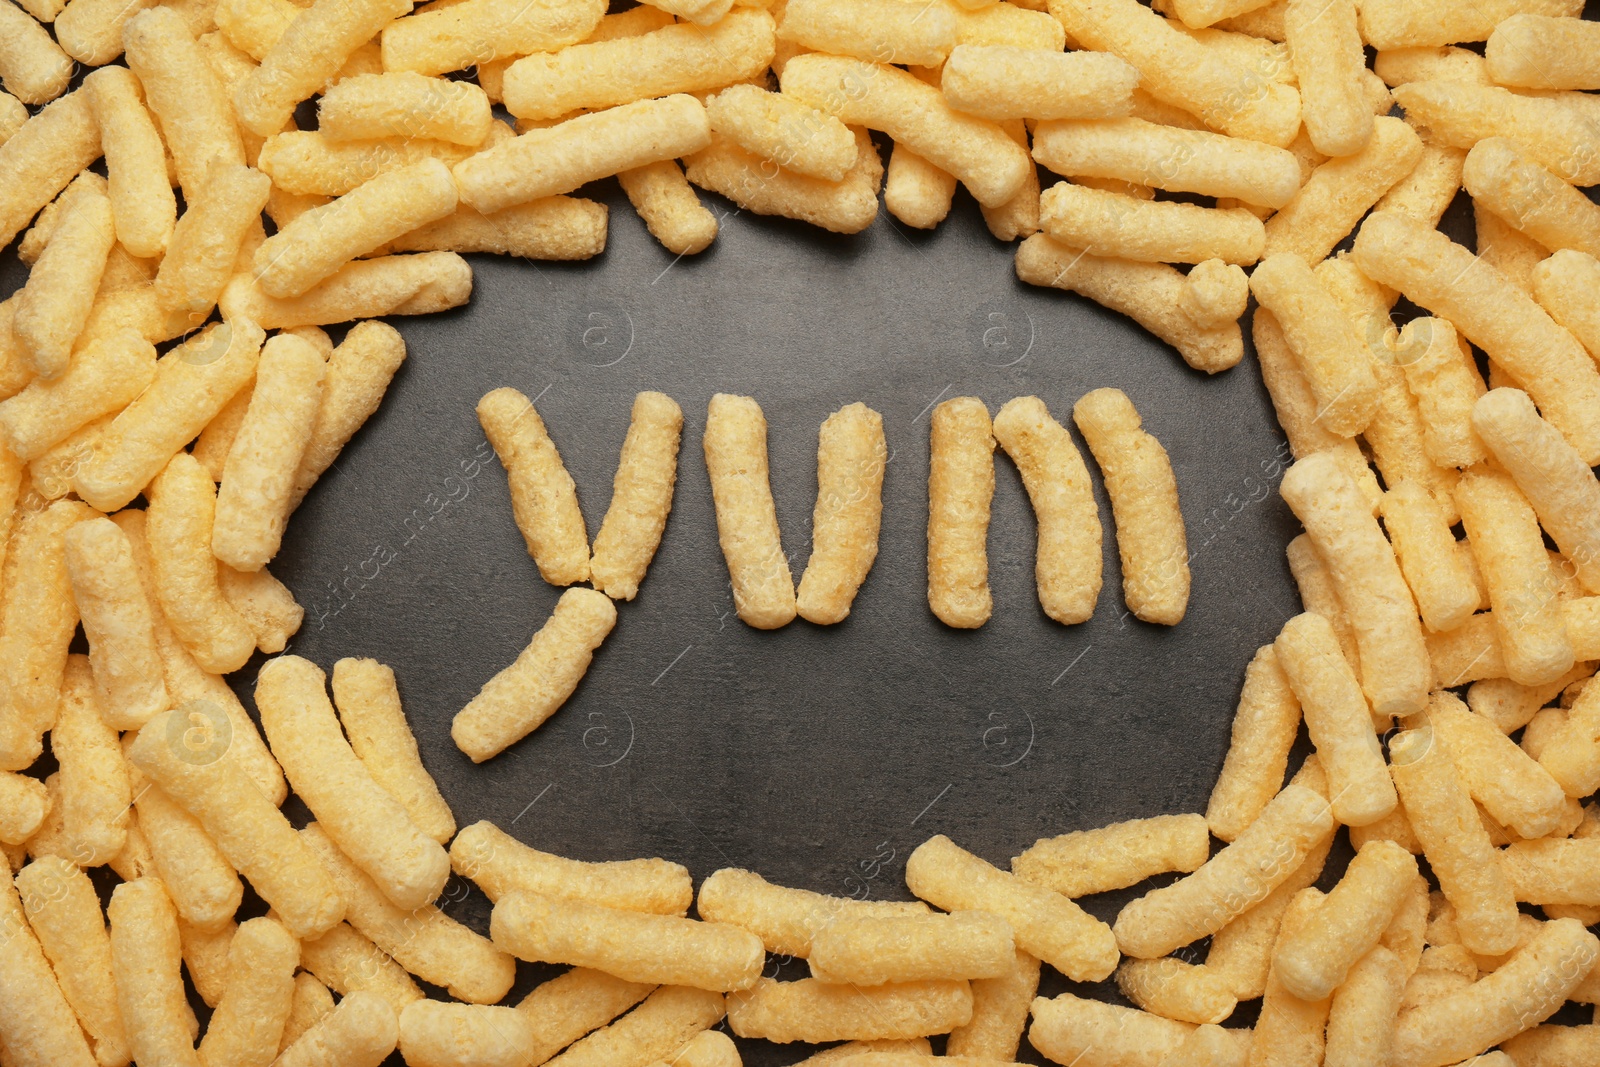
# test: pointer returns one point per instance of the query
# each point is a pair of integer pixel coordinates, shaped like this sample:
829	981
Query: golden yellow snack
193	382
306	57
424	940
1215	293
1556	482
1419	530
360	816
1144	502
1149	293
248	1023
203	885
1241	951
916	1046
747	525
631	945
141	200
960	487
1506	542
1510	706
186	753
183	90
655	1030
573	1004
1290	1030
186	681
13	113
1512	788
1337	719
1339	192
253	501
1165	157
269	609
521	697
846	206
46	152
873	30
314	246
1443	377
33	68
1326	51
809	1010
1173	989
500	865
1553	871
1115	224
1553	129
433	1034
145	962
1264	728
1403	24
873	950
453	37
554	227
1572	754
1067	568
1543	51
1122	854
1045	924
53	307
205	956
311	1002
1335	363
1453	840
348	962
1427	191
1394	660
404	104
24	803
36	627
641	497
1312	959
64	914
1262	857
1005	82
851	455
663	198
798	138
1070	1029
1176	69
104	375
95	793
1297	410
674	59
1562	284
182	505
305	163
544	499
977	152
1503	179
36	1022
915	191
1522	992
358	374
370	712
206	243
999	1013
360	1032
785	919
